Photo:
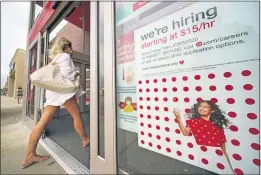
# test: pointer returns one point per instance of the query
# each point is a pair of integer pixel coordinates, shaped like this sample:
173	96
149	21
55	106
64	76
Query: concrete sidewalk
14	140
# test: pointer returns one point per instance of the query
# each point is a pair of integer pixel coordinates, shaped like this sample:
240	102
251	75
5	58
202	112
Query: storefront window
187	87
31	88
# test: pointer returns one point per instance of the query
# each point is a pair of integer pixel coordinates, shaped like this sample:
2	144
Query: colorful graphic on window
197	86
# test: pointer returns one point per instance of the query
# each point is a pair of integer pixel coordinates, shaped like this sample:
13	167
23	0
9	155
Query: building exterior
16	73
158	77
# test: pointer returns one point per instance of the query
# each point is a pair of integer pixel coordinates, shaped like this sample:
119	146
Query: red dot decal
229	87
205	161
203	148
142	141
147	81
237	157
178	142
149	125
156	99
155	80
212	88
141	98
148	107
232	114
198	88
167	139
233	128
168	150
175	99
238	171
185	89
174	89
199	99
219	152
165	89
158	137
150	144
197	77
248	87
187	110
186	99
235	142
214	100
255	146
141	115
148	98
177	131
230	101
147	90
254	131
246	73
157	117
175	120
250	101
156	108
150	135
142	133
140	82
166	109
141	124
256	162
165	99
185	78
158	127
190	145
158	146
179	153
191	157
167	129
156	90
140	90
149	116
166	119
227	74
220	166
174	79
211	76
251	116
164	80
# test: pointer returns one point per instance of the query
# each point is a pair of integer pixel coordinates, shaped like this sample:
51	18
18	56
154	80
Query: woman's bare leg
49	112
73	108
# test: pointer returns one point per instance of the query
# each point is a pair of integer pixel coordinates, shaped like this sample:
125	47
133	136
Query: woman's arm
185	130
223	147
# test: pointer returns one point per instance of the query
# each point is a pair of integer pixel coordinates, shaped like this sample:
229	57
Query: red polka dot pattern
255	146
237	157
220	166
205	161
158	96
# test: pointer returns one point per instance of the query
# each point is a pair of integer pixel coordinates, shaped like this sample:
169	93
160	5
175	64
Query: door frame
109	161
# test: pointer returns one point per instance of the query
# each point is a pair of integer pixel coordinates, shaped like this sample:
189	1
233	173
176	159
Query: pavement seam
12	140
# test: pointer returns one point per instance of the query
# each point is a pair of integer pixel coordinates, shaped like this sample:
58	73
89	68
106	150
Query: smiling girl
207	123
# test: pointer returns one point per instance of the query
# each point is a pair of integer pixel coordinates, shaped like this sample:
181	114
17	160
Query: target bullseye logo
198	44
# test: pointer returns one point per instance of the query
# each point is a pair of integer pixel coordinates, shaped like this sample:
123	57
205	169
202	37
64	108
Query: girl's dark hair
217	117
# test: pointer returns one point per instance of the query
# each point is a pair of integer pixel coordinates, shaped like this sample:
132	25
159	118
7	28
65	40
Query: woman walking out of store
60	53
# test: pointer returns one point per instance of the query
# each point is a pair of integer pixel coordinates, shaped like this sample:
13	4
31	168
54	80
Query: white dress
67	69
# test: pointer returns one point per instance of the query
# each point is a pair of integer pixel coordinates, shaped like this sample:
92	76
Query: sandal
86	144
39	159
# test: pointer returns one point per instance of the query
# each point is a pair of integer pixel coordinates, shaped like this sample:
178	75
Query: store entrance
61	130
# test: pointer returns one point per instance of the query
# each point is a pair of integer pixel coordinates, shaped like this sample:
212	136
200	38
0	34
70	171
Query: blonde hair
59	45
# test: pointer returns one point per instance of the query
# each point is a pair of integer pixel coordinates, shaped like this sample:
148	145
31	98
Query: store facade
141	63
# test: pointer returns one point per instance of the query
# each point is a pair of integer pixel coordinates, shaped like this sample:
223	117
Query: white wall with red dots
228	77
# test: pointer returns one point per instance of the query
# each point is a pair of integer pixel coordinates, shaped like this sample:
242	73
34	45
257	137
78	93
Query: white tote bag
50	78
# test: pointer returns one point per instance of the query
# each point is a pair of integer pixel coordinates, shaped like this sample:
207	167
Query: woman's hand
176	112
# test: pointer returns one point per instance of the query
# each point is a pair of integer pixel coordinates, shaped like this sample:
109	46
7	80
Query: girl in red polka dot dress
207	123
